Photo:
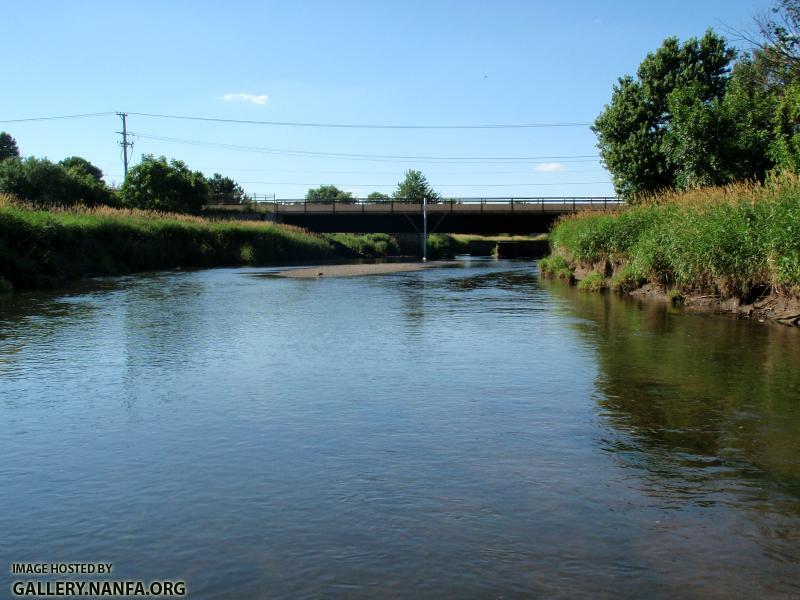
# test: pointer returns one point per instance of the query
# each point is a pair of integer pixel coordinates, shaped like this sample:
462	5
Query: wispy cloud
549	167
240	97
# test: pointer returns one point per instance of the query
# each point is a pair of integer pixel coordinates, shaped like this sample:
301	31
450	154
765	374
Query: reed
734	240
39	248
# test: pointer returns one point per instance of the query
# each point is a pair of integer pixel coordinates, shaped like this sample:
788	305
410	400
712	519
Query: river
462	431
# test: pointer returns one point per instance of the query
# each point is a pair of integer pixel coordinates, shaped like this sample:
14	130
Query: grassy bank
41	248
737	242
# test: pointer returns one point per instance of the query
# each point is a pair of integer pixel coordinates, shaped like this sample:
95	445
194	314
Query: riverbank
734	249
44	248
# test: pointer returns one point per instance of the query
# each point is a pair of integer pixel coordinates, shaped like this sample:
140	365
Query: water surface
464	431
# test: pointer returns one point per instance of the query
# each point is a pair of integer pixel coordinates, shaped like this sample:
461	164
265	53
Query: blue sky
438	63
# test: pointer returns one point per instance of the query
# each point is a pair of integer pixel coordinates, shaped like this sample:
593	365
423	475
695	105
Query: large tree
8	146
327	194
778	40
165	185
415	186
646	134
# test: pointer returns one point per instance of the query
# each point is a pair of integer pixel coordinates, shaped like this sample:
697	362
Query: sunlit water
464	431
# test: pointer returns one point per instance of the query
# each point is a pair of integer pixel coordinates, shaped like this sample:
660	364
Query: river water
462	431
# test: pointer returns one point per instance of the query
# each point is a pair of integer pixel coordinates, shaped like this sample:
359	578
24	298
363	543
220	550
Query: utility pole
424	229
124	143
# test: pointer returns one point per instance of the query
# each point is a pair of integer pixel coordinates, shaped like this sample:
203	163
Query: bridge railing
485	204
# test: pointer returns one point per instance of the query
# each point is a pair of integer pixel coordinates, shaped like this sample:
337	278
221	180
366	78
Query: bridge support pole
424	229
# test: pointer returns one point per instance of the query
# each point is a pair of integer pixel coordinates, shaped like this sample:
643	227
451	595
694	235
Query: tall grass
733	240
39	248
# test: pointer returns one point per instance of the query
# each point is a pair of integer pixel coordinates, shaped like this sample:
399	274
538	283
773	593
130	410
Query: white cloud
255	99
549	167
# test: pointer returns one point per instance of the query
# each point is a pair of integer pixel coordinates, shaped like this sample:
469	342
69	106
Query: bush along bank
732	249
43	248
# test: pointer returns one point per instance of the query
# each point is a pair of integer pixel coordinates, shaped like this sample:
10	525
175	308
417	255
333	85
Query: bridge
452	215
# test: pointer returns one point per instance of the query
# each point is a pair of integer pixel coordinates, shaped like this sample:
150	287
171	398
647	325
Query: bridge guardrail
449	204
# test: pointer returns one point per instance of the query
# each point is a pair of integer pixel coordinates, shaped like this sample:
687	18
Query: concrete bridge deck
462	215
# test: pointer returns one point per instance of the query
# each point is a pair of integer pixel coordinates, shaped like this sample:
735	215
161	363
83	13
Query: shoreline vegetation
729	249
44	248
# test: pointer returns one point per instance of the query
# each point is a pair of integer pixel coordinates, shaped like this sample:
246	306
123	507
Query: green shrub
555	267
626	279
676	298
368	245
593	282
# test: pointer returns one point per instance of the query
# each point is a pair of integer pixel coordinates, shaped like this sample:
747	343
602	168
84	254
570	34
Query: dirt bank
775	307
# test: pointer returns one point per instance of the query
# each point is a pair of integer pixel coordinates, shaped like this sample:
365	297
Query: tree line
155	183
701	113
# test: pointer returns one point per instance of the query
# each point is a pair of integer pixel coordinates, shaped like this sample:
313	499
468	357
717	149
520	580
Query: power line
364	126
82	116
391	185
368	157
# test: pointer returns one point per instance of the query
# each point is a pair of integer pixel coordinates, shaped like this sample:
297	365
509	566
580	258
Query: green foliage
675	297
684	121
168	186
785	148
728	240
327	194
378	196
224	190
780	41
556	267
593	282
41	248
442	245
368	245
8	146
627	279
47	184
415	186
82	166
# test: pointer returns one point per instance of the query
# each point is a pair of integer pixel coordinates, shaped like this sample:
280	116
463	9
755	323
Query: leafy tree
779	41
785	148
635	132
378	196
749	107
225	190
170	186
415	187
81	165
8	146
43	182
327	194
